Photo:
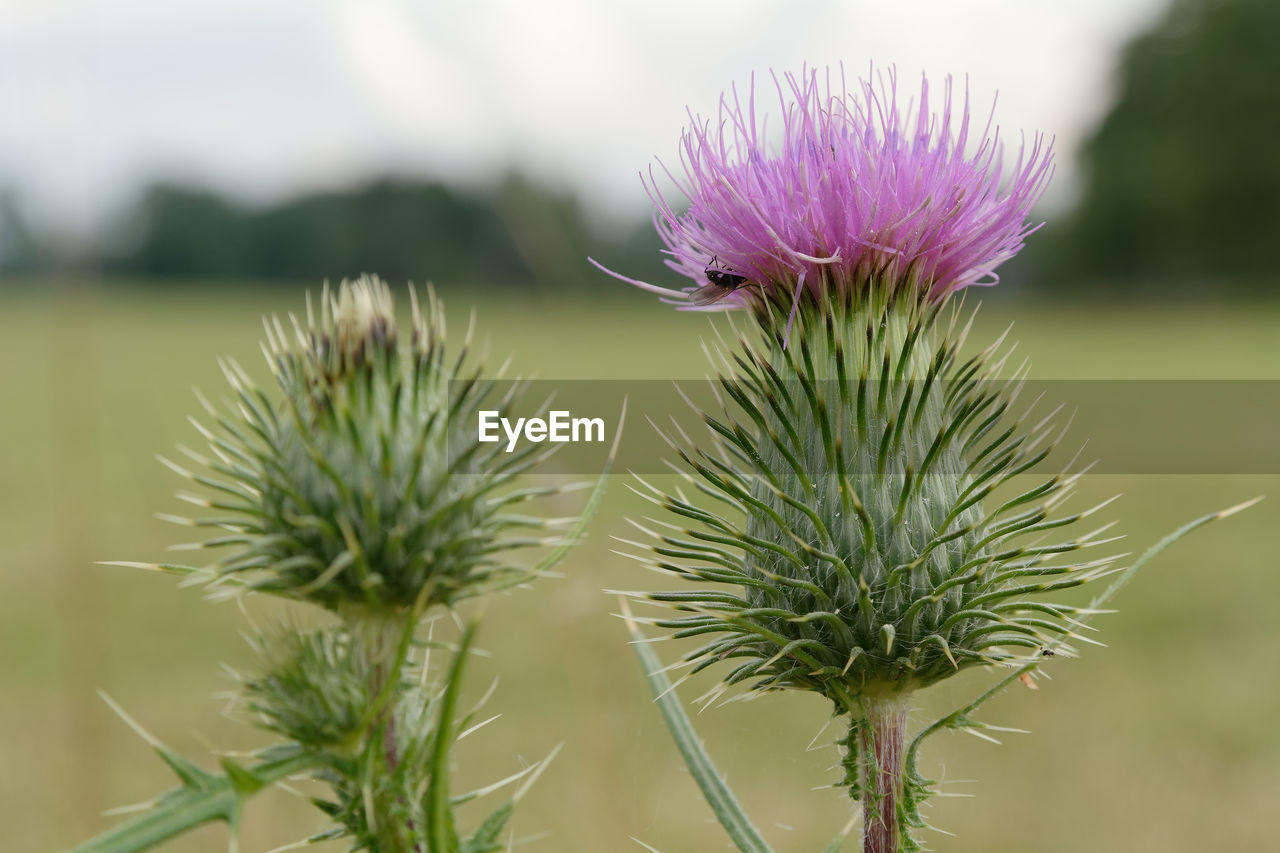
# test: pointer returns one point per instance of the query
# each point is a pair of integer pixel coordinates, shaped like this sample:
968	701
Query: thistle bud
314	691
364	485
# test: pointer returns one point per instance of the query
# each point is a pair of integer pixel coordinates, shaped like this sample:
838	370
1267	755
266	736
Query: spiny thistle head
364	485
315	691
865	519
855	189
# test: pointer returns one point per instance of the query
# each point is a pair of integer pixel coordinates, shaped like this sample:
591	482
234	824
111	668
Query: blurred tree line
515	233
1181	191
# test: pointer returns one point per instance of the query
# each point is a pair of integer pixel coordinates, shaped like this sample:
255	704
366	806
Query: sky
267	99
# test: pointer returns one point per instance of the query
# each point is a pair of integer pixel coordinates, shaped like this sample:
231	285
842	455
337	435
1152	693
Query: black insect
720	283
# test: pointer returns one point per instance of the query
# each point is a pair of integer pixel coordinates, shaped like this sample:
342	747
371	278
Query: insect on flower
720	283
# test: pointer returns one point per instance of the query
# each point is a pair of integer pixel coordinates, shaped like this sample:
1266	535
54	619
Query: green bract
365	485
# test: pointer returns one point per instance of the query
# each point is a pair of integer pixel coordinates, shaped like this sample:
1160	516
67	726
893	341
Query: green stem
383	638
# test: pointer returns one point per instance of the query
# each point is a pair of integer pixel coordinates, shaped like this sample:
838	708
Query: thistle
855	191
366	488
361	488
865	528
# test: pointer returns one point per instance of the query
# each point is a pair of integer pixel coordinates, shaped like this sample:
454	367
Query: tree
1182	177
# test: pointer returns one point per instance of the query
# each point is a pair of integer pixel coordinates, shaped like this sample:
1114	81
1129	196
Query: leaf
204	797
960	718
486	838
442	835
727	810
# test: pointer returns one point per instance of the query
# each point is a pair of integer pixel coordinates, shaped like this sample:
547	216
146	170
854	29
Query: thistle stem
880	754
382	638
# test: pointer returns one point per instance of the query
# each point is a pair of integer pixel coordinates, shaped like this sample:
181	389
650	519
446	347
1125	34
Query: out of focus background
170	173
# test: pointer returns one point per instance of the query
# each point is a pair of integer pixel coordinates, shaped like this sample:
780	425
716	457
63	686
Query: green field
1165	741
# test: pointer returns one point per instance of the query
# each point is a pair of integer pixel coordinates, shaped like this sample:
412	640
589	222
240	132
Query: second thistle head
363	484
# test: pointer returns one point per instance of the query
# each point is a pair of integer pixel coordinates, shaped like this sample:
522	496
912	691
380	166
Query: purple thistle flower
858	192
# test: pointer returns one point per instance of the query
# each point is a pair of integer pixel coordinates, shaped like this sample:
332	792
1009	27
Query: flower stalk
877	741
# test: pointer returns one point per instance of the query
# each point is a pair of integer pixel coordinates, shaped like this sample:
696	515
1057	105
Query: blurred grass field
1166	741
